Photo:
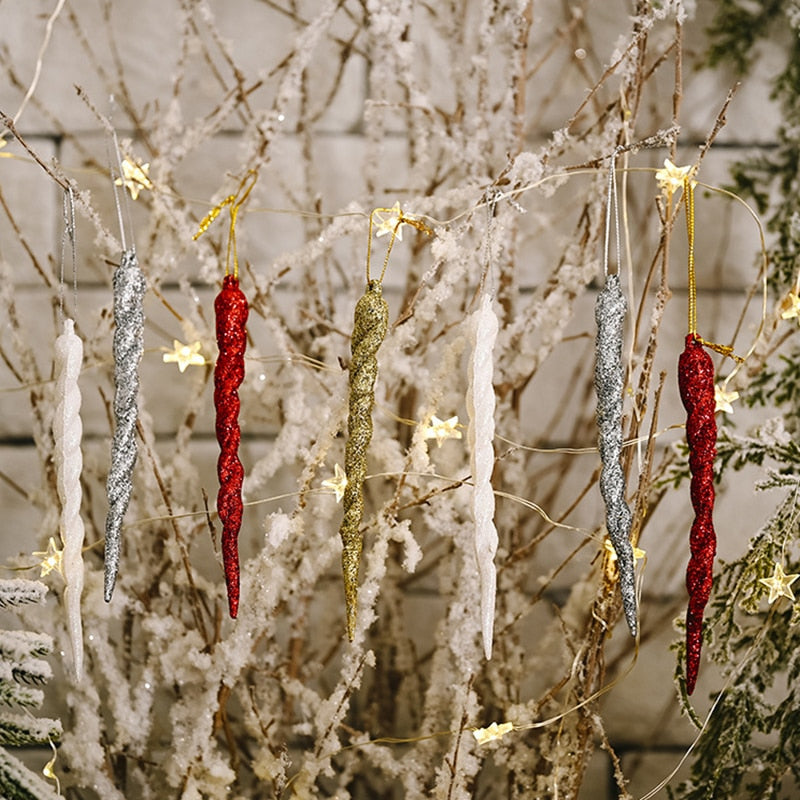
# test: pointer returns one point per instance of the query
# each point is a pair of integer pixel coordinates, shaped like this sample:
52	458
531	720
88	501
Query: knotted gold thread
370	323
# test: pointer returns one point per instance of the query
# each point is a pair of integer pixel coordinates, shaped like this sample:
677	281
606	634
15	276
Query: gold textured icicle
370	323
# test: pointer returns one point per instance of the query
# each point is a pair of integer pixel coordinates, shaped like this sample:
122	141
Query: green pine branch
17	782
737	28
750	743
19	591
22	668
17	730
12	694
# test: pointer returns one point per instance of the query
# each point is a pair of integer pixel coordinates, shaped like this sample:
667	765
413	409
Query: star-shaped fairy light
337	483
790	306
638	553
779	584
390	224
672	177
492	732
184	355
134	177
441	429
723	399
51	558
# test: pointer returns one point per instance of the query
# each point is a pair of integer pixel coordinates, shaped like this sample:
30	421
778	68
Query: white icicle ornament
67	431
480	436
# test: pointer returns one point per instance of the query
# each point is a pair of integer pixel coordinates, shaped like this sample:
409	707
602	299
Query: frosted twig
9	123
48	32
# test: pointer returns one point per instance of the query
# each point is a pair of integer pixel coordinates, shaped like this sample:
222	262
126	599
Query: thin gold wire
234	202
401	220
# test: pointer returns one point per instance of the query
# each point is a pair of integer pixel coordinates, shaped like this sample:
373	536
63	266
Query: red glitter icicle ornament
696	384
231	310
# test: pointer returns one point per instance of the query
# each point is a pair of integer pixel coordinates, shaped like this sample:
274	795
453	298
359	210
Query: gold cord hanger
722	349
234	202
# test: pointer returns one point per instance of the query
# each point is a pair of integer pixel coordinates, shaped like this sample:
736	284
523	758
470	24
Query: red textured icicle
696	383
231	315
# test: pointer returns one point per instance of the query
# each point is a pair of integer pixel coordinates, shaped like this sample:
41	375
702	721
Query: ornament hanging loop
234	202
491	197
722	349
688	193
68	236
396	223
612	207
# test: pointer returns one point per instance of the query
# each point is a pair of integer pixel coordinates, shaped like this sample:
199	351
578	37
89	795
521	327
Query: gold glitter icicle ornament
370	323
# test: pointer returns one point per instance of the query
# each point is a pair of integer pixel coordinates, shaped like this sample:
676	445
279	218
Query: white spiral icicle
67	431
480	436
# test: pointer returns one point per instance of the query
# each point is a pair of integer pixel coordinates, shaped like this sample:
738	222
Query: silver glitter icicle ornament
129	289
609	312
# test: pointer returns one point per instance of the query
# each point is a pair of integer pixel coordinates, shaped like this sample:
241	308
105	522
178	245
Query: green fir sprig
752	737
750	745
22	669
